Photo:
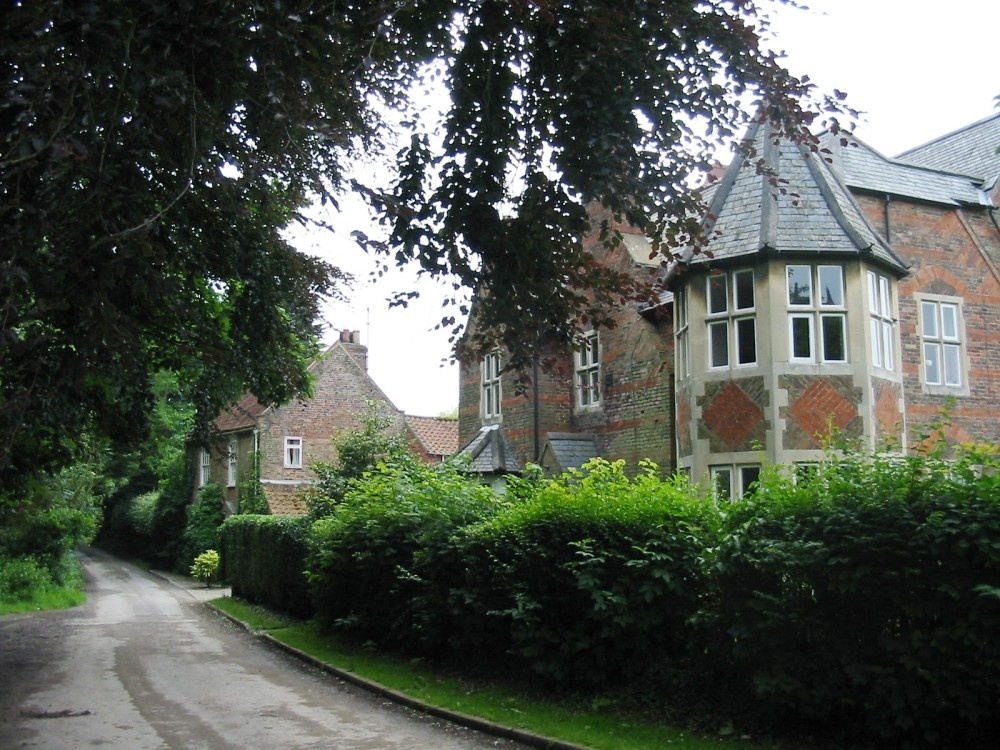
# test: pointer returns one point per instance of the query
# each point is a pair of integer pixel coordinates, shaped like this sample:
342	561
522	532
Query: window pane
831	286
834	339
949	322
717	294
749	476
799	285
722	480
888	355
718	335
932	363
884	298
681	308
872	292
952	373
875	329
746	341
802	337
743	286
929	322
682	355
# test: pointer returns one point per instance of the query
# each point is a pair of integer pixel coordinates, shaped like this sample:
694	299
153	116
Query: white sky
916	68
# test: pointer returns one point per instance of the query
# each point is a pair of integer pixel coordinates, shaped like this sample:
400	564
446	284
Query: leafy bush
375	564
201	532
21	577
263	558
864	599
206	566
591	578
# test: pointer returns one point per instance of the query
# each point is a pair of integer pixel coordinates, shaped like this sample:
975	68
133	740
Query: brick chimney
351	341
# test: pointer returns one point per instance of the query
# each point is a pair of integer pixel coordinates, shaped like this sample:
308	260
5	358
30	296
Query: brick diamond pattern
732	415
820	408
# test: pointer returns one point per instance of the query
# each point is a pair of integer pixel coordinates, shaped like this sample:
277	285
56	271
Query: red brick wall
946	248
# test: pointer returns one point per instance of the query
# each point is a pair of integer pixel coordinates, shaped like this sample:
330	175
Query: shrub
263	559
21	577
201	532
379	565
860	599
206	566
591	578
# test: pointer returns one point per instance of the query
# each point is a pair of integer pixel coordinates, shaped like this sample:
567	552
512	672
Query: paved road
145	665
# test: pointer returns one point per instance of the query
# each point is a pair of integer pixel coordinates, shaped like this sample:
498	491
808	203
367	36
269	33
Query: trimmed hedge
864	603
263	559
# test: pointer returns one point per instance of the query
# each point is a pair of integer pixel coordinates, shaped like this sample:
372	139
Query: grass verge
588	726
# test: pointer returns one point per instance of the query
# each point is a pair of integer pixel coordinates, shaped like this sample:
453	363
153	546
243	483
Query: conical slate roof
786	199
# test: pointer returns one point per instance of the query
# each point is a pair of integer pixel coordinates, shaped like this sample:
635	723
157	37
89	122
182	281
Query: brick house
843	291
286	440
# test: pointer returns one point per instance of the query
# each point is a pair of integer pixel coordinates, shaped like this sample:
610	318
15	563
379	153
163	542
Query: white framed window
204	467
817	314
490	400
732	481
231	473
682	348
588	371
293	453
941	342
881	327
731	320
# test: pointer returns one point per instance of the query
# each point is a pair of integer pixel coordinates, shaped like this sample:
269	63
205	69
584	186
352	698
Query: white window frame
293	452
204	467
881	325
813	312
232	466
682	335
491	393
728	317
942	344
731	481
588	372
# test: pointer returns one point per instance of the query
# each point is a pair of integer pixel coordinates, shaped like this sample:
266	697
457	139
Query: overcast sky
917	69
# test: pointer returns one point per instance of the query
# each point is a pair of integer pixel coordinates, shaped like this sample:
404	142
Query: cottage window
588	371
490	402
732	481
204	467
941	342
817	316
881	325
731	321
293	453
231	475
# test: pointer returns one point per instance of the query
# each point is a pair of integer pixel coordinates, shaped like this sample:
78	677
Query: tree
151	153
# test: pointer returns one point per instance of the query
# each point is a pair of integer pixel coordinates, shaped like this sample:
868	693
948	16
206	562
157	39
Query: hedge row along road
145	665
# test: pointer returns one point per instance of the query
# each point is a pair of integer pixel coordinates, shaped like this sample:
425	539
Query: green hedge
864	602
590	579
375	562
263	559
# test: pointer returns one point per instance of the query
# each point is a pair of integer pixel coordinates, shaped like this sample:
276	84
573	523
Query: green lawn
597	727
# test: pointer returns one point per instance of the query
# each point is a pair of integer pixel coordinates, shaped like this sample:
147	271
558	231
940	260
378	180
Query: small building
277	446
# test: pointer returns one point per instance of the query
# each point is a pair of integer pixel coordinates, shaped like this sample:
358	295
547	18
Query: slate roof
437	435
571	450
489	452
799	205
863	168
971	150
